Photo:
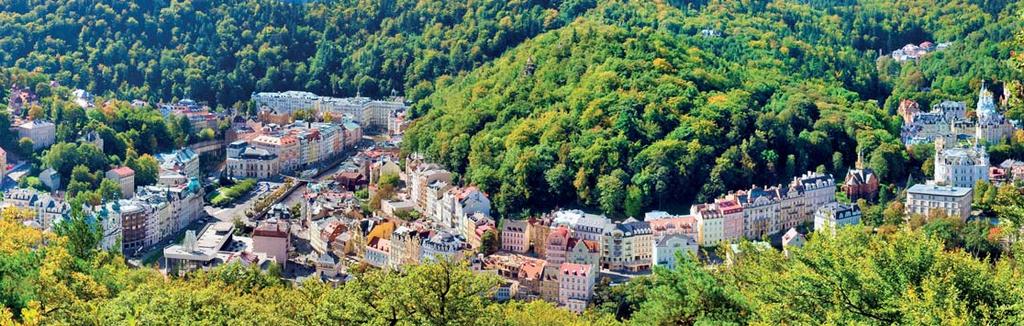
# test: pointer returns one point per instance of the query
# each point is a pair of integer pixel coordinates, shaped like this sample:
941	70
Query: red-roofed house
125	177
557	245
272	238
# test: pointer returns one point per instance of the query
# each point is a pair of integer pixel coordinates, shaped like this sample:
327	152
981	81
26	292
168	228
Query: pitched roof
123	171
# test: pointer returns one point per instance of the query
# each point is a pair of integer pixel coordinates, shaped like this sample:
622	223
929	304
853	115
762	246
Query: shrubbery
227	195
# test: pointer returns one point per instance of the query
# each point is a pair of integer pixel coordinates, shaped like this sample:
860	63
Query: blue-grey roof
939	190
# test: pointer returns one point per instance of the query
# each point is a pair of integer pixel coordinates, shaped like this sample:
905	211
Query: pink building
575	286
686	225
513	236
557	245
732	215
272	238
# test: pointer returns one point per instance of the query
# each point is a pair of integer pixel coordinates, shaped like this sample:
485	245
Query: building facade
833	216
928	199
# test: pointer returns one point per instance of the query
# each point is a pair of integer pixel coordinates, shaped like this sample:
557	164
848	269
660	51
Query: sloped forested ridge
221	51
652	104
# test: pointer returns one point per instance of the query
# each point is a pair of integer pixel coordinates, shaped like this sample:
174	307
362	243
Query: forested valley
618	106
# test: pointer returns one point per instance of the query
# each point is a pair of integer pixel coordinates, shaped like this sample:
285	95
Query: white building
953	201
835	215
792	239
992	126
48	210
666	247
42	133
443	245
960	167
246	161
199	252
370	113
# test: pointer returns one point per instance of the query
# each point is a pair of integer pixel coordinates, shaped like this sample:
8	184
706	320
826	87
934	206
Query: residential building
537	233
125	178
20	98
586	252
42	133
406	243
173	208
792	239
951	110
514	236
352	132
928	199
443	245
397	123
3	166
421	180
285	147
668	245
272	238
370	113
557	245
1014	168
710	224
907	110
627	245
685	225
958	166
50	178
457	204
48	209
818	189
835	215
575	286
378	252
184	162
549	282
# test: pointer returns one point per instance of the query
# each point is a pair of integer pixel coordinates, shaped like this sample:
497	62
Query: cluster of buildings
916	51
280	149
19	99
199	116
762	211
948	121
369	113
217	244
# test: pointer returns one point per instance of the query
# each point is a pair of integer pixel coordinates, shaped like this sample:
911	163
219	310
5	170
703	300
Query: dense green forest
221	51
620	104
637	105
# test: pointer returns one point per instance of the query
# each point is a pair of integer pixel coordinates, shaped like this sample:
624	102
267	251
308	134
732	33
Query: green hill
637	104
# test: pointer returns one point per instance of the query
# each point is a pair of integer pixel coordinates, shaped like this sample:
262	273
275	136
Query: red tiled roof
575	269
124	171
271	229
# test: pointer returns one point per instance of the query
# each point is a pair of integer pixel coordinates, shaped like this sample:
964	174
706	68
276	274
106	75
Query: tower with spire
992	126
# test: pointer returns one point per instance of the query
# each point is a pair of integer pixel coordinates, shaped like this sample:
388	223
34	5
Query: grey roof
939	190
